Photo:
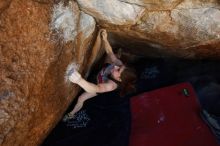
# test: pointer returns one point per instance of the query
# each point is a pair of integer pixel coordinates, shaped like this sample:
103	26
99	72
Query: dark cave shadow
153	73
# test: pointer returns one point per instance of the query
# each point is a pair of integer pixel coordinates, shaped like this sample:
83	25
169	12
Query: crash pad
169	116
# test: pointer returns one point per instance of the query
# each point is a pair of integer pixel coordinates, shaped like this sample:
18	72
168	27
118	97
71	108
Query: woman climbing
114	75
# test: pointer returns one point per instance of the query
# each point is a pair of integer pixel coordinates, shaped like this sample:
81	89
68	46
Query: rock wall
33	60
173	28
40	38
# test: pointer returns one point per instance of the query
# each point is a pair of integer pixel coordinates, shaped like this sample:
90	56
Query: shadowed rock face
39	39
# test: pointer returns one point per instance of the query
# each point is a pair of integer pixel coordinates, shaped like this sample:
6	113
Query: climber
114	75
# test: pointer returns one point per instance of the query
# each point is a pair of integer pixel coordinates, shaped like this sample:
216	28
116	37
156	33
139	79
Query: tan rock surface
33	61
155	4
189	24
112	12
4	4
39	39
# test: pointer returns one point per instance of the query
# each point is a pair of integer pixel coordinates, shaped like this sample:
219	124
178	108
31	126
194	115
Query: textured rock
155	4
113	12
4	4
199	21
188	25
181	28
64	20
86	25
85	30
39	39
207	50
33	61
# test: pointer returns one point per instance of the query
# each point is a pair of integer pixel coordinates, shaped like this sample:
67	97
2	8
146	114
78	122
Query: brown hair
128	79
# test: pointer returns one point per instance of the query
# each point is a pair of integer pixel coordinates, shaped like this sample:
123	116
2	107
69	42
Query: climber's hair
128	80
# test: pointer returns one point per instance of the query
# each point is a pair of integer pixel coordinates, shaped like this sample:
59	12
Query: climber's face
116	72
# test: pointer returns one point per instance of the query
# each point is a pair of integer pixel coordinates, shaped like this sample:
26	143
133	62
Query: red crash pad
169	117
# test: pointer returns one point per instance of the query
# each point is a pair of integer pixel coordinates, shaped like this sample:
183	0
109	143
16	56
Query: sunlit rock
113	11
65	19
87	24
35	50
40	39
189	24
85	32
155	4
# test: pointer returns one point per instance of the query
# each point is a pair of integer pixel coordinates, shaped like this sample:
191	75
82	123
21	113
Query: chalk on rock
64	21
70	70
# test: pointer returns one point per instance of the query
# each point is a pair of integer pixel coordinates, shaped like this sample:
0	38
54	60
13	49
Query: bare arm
90	87
98	42
108	49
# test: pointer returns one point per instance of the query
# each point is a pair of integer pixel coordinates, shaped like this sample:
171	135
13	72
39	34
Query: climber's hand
104	34
75	77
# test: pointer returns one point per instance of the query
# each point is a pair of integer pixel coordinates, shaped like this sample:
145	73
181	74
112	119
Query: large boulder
35	51
171	27
112	11
40	39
